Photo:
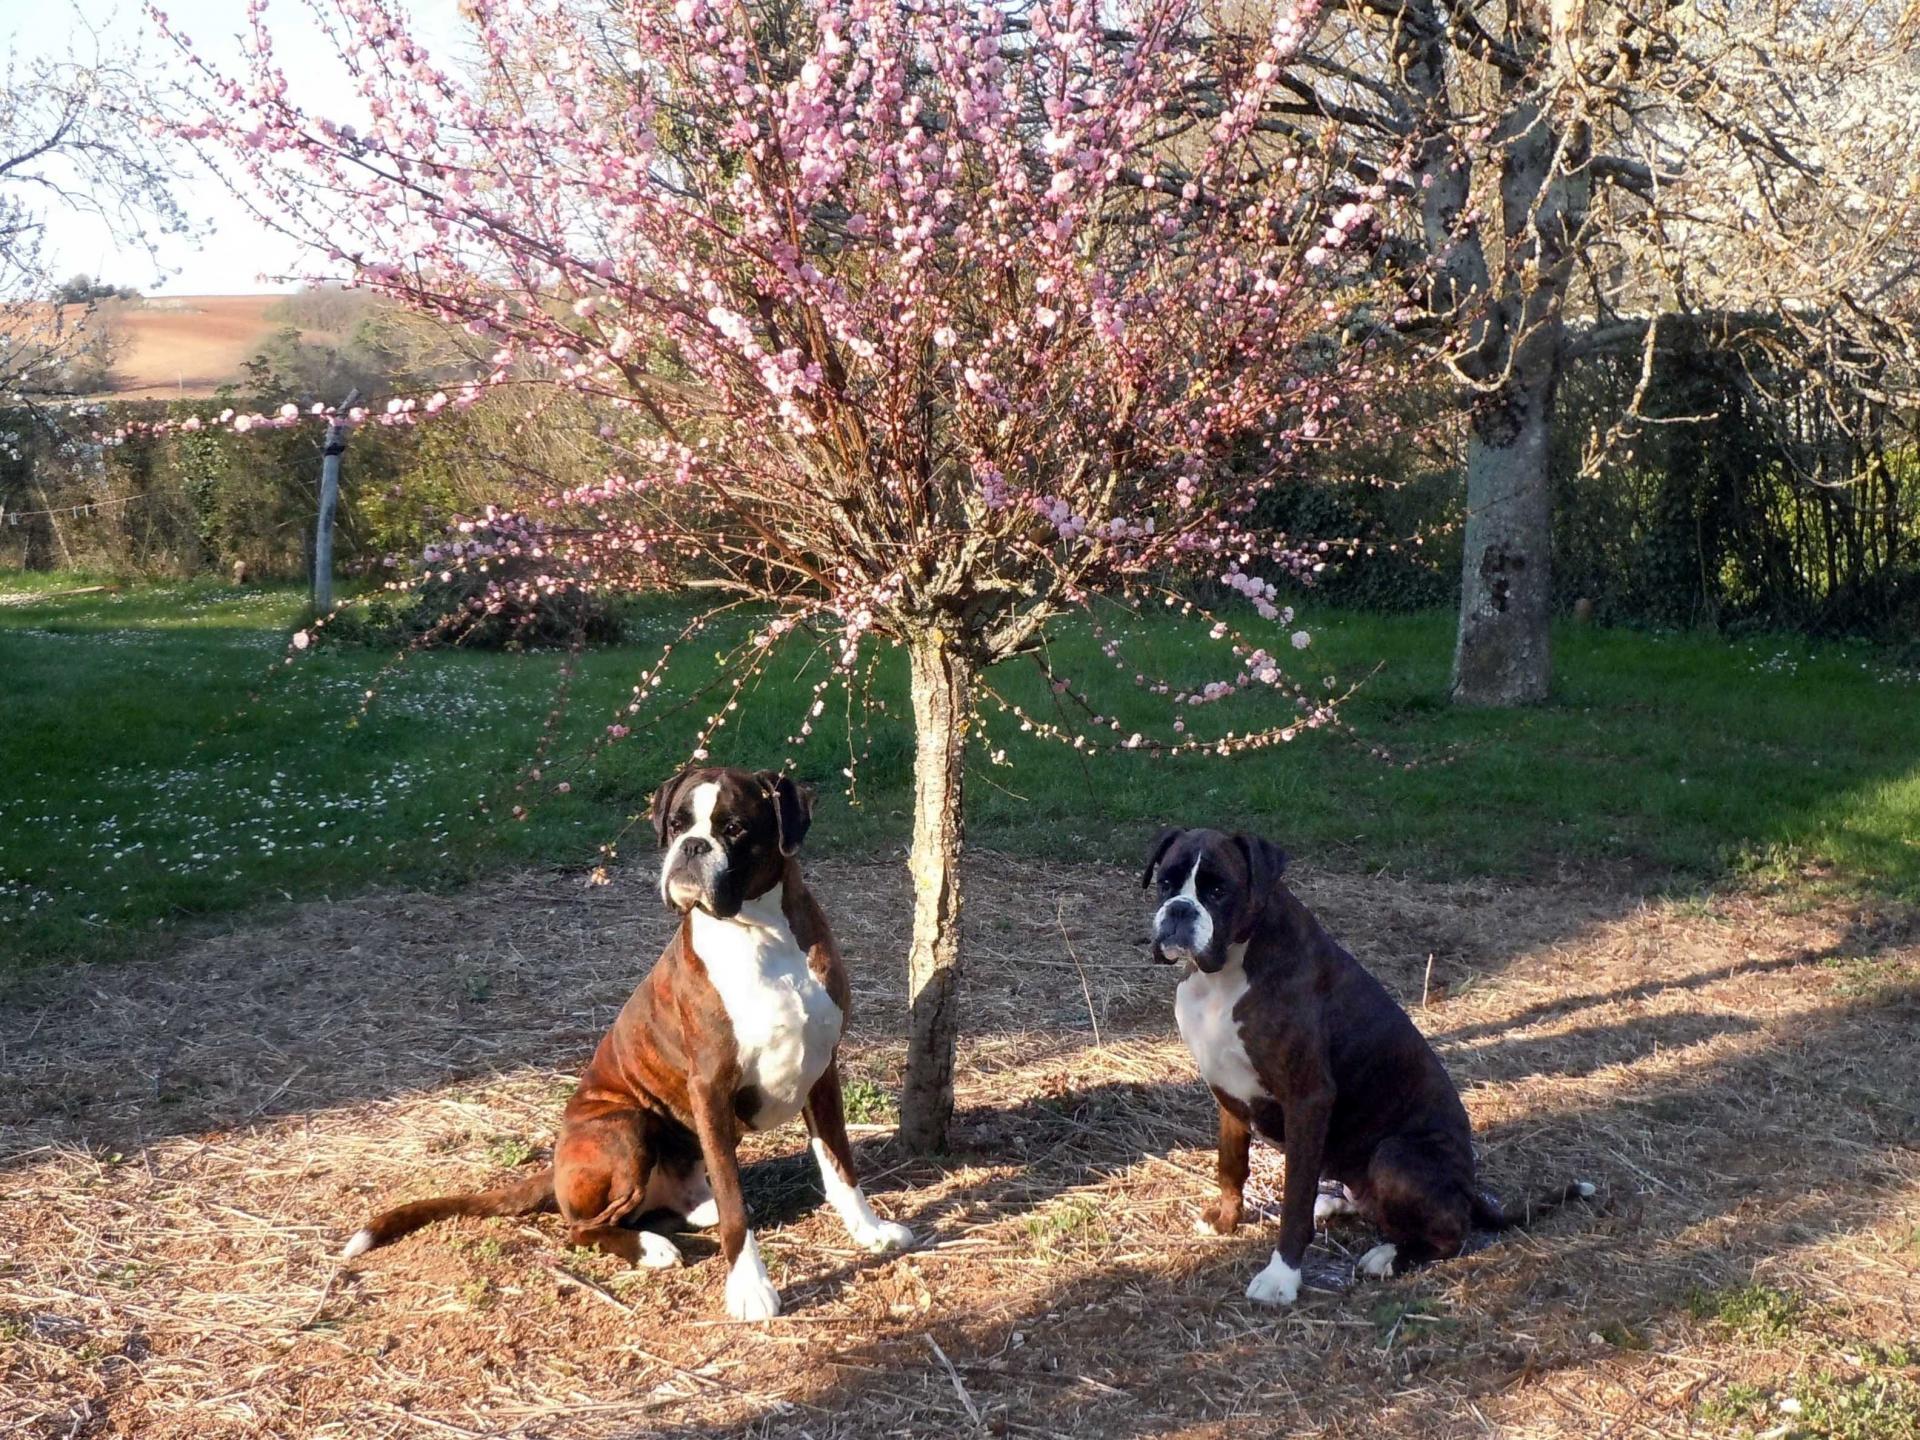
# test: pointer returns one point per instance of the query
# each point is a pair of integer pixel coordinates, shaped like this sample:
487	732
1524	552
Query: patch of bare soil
185	1144
185	347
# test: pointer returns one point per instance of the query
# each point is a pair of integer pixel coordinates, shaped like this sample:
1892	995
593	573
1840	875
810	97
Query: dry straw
188	1139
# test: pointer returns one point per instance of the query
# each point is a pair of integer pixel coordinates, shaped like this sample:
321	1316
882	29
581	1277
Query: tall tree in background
74	136
918	324
1582	176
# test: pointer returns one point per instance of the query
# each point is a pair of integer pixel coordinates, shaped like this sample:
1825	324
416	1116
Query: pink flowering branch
906	322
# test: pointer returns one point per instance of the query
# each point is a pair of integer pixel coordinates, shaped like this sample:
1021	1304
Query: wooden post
53	525
329	498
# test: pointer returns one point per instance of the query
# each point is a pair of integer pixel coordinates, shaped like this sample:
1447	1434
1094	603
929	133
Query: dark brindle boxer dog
734	1028
1300	1043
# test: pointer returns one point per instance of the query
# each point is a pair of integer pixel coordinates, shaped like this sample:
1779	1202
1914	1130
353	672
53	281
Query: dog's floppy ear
1266	863
792	806
663	801
1161	844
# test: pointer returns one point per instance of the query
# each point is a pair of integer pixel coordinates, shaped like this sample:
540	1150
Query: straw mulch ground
185	1143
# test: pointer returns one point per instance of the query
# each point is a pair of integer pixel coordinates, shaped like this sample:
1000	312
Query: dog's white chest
784	1021
1203	1009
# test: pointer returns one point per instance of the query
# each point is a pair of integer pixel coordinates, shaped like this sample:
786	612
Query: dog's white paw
750	1293
704	1215
361	1242
864	1228
1278	1284
752	1297
1328	1203
1378	1262
883	1237
657	1252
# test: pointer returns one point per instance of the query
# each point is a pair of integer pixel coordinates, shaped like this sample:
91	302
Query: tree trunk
942	679
1503	656
335	447
323	526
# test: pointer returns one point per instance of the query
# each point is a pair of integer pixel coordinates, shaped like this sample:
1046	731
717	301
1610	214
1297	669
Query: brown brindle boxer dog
735	1028
1299	1042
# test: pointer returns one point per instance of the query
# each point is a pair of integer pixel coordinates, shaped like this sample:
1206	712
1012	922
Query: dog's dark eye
733	829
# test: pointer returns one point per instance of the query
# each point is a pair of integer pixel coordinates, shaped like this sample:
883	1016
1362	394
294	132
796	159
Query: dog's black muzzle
700	877
1184	931
1173	931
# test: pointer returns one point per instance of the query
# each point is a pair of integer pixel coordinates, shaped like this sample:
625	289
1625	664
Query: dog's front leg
827	1123
1236	1138
1306	1144
750	1293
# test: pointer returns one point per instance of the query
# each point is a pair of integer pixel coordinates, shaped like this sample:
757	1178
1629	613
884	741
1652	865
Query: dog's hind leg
703	1211
646	1248
678	1194
600	1170
1422	1211
1333	1199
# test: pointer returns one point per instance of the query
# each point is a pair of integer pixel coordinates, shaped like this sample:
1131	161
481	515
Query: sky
234	251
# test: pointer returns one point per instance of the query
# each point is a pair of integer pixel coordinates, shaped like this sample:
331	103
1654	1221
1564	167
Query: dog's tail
529	1197
1490	1214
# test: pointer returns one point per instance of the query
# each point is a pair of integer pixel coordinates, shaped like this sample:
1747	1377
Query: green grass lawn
162	763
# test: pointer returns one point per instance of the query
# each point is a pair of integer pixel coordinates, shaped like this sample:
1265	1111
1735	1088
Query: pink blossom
829	349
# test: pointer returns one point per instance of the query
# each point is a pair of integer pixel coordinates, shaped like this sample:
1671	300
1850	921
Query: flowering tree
920	324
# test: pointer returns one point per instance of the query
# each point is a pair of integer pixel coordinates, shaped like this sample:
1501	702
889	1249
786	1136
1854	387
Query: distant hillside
188	346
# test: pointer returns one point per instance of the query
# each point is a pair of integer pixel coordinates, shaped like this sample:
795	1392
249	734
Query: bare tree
72	138
1583	176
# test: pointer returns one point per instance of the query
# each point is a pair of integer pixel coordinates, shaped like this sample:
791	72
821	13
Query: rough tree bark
942	683
1503	655
1511	352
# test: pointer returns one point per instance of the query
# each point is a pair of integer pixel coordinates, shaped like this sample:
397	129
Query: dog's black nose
695	845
